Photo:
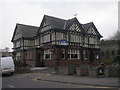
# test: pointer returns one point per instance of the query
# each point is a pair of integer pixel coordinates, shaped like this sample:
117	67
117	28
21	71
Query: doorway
91	56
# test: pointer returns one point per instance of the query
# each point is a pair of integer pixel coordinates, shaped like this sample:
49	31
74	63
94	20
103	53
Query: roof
87	25
31	31
70	21
55	22
63	24
27	31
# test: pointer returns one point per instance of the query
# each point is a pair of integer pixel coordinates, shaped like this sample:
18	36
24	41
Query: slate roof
27	31
31	31
55	22
70	21
87	25
63	24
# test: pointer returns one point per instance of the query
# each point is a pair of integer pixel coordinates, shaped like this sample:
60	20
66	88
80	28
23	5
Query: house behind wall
56	42
110	49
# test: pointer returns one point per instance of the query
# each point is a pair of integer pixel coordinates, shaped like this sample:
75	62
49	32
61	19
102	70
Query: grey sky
103	14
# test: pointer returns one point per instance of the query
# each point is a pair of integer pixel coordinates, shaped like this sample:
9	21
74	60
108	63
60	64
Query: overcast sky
104	14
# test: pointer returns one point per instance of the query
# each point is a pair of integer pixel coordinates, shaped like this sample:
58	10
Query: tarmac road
29	81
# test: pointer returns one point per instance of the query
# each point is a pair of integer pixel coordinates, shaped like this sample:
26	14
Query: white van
7	65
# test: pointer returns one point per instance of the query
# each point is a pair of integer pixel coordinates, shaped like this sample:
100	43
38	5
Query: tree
6	49
115	36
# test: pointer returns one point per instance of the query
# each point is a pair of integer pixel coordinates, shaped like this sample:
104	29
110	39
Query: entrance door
91	56
39	61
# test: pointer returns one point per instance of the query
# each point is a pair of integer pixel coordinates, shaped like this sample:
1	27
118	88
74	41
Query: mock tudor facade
56	42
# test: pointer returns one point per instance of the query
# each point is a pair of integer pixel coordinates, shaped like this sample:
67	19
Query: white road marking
10	86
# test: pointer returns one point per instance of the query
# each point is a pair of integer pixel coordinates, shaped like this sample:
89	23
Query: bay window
46	38
59	36
73	54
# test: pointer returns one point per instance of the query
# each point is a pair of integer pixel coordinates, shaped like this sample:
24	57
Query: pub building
56	42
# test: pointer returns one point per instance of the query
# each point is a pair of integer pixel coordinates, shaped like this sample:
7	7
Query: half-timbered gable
45	26
92	31
23	36
54	34
92	36
74	25
75	32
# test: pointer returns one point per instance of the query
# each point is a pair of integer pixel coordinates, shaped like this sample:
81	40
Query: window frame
72	53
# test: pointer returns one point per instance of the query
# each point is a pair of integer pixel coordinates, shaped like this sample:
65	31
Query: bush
114	71
20	63
21	67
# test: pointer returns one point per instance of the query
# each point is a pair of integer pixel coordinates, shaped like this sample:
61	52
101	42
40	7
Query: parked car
7	65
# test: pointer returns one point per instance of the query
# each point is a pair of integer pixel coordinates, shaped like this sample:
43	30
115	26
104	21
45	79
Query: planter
107	72
82	71
69	70
59	69
78	71
93	72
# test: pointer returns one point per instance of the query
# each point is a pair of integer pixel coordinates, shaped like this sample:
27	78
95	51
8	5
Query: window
59	36
37	41
29	56
47	54
118	52
41	39
113	52
107	54
86	39
91	40
95	40
102	53
46	38
53	36
72	38
18	56
85	54
80	39
73	54
63	53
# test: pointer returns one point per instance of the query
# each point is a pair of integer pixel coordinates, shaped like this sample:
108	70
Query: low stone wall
85	70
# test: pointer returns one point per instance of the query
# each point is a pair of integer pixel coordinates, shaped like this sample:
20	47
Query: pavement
49	75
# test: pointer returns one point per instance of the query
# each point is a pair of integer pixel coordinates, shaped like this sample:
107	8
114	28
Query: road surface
29	81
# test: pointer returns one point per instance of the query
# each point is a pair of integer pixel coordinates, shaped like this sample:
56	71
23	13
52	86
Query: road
29	81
